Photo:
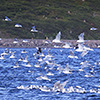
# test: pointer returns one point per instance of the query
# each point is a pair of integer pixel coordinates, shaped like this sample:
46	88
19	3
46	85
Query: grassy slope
49	17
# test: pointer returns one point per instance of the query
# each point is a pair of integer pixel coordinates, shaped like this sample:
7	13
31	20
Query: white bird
88	48
80	47
28	65
42	55
34	29
23	87
84	64
81	38
25	59
40	59
47	41
16	65
50	74
84	53
43	78
98	46
44	88
15	42
60	86
25	41
66	70
57	39
93	90
70	89
60	68
4	53
81	69
21	59
7	19
37	65
72	55
2	57
18	25
88	75
12	55
67	45
79	89
57	85
23	51
93	28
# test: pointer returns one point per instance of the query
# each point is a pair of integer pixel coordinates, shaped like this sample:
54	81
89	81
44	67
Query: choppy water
12	78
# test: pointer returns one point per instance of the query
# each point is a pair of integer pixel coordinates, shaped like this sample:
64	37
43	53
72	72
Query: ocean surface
26	81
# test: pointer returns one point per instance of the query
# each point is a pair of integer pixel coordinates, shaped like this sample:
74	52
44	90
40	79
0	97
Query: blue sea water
11	78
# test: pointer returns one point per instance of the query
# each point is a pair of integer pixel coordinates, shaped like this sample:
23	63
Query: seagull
57	39
4	53
7	19
84	64
22	87
43	78
70	89
60	69
16	65
59	86
12	55
66	70
38	50
81	69
37	65
62	85
25	41
50	74
15	41
28	65
72	55
40	59
42	55
67	45
93	28
34	29
18	25
24	51
81	38
84	53
21	59
87	48
79	89
45	89
2	56
25	60
79	47
88	75
48	42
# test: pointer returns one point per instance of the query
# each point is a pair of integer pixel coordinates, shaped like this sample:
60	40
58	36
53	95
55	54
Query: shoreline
33	43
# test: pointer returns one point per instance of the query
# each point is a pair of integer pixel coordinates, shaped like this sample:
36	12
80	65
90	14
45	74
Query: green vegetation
71	17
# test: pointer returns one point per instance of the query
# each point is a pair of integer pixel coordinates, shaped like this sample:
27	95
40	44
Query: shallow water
11	78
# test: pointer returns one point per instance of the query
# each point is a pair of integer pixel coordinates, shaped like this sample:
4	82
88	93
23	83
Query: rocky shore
32	43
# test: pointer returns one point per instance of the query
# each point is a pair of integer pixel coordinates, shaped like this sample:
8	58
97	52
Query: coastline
33	43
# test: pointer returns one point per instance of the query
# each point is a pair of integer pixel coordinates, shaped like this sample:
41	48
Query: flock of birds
19	25
47	60
35	30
